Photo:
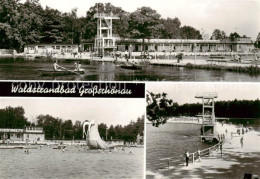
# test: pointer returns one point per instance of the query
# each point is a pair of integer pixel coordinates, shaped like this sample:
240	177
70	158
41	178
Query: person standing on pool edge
242	141
198	151
187	157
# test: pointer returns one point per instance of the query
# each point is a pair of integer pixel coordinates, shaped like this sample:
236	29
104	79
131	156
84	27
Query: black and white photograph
134	89
72	138
203	130
139	40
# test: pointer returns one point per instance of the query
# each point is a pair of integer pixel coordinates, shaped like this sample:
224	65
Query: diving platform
208	116
105	39
106	16
209	138
207	95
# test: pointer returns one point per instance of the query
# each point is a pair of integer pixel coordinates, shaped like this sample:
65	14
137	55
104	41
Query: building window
27	135
18	135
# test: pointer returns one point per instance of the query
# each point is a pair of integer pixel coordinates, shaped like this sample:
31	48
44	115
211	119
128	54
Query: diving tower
105	39
208	115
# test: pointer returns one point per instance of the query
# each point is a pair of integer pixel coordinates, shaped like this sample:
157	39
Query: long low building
177	45
26	134
50	48
186	45
244	44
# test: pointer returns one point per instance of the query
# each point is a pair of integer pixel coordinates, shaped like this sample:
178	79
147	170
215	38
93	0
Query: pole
106	133
195	53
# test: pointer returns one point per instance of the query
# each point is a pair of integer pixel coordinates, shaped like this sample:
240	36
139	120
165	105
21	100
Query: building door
136	48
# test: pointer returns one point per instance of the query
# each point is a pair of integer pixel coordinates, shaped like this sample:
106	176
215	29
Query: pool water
75	162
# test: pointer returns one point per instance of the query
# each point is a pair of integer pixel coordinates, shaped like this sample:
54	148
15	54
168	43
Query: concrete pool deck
234	162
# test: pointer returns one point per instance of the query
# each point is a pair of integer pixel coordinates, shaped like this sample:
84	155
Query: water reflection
21	69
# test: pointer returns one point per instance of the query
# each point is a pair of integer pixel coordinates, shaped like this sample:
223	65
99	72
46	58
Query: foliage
171	28
144	23
57	128
160	109
233	36
13	118
28	23
188	32
218	35
257	42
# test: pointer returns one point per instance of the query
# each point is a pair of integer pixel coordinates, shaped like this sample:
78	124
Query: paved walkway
234	162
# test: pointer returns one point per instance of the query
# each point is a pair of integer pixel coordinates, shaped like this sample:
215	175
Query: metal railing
193	156
207	95
99	15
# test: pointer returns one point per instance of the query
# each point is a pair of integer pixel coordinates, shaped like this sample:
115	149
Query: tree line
56	128
29	22
160	109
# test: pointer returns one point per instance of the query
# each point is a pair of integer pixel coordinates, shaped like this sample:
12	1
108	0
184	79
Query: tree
218	35
13	117
78	131
51	126
102	128
144	23
188	32
171	28
67	129
257	42
158	108
52	26
233	36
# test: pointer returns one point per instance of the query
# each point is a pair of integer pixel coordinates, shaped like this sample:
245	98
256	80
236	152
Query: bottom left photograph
72	137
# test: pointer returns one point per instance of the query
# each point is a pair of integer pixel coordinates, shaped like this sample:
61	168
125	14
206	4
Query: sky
108	111
185	92
242	16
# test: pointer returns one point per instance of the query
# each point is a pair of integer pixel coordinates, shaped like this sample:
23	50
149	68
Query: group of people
58	67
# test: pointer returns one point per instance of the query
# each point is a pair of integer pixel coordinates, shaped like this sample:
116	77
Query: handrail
204	152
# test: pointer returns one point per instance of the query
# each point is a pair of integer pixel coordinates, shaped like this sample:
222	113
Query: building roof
51	44
183	41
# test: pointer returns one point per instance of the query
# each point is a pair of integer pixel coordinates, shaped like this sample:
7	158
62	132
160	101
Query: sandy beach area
234	162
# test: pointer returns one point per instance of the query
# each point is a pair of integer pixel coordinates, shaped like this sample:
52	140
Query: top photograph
138	40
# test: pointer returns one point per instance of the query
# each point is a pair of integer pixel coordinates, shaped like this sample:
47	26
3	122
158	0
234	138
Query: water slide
93	138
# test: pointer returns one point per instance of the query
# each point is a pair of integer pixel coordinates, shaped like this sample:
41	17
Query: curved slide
93	138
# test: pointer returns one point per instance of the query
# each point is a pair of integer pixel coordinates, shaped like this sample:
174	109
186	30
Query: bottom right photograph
202	130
